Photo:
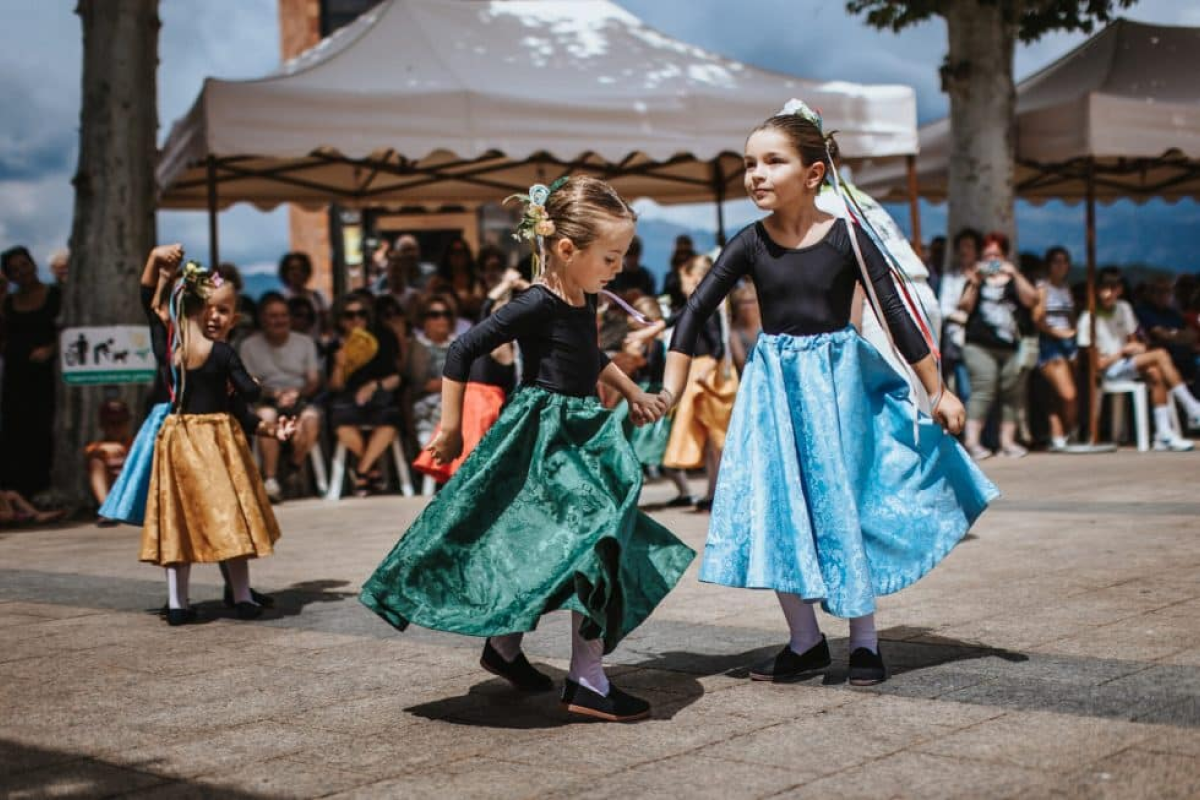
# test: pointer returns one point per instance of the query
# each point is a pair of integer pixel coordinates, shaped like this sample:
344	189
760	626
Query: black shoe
616	706
786	665
704	505
247	611
264	600
682	501
180	616
519	672
867	668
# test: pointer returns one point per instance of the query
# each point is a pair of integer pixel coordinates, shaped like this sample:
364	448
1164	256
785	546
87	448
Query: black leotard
488	370
559	344
802	291
206	388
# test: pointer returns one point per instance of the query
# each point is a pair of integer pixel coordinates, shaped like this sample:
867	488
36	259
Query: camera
991	267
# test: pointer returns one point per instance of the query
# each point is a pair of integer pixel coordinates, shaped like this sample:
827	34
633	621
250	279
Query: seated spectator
1122	356
1054	316
106	456
363	381
492	266
633	276
426	358
295	271
390	314
405	270
1166	327
286	364
303	315
747	324
16	510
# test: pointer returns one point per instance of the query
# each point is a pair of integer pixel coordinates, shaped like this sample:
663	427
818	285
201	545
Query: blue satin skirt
126	501
826	490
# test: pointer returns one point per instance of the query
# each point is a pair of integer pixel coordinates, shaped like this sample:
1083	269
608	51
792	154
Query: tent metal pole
914	208
719	192
214	252
1093	383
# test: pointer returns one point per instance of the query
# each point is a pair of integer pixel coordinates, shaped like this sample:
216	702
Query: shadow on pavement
31	771
289	602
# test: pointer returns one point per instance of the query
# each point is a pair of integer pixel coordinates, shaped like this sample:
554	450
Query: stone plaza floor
1055	653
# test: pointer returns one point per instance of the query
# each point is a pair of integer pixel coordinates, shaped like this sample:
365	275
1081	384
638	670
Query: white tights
587	667
177	585
805	633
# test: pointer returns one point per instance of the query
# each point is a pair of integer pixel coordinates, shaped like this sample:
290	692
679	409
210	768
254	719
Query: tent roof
1127	99
433	101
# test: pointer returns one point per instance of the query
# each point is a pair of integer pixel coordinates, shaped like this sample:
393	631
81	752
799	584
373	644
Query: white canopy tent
431	102
1116	118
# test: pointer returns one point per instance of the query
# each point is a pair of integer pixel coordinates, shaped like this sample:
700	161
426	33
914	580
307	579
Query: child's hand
668	398
168	257
645	409
446	446
285	428
949	412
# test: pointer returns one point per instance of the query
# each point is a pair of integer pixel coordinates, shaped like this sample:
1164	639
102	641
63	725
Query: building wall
300	29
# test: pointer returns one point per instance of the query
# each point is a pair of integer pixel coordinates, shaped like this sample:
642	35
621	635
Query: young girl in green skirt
543	515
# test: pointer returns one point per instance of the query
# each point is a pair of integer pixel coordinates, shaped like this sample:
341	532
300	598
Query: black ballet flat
617	706
787	665
264	600
682	501
180	616
247	611
867	668
519	672
705	505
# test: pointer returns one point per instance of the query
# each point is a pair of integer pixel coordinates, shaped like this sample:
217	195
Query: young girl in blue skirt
542	515
831	488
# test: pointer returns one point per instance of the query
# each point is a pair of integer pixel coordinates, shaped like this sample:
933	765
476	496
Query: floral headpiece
801	109
535	224
197	279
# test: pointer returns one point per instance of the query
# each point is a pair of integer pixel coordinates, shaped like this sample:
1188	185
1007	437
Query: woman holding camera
993	293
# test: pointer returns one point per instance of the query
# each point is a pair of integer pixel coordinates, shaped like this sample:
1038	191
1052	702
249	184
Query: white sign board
106	354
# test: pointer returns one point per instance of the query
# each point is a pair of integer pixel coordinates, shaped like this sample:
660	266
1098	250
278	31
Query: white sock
508	645
1184	396
862	633
238	570
587	656
1164	423
1058	441
801	620
679	478
177	586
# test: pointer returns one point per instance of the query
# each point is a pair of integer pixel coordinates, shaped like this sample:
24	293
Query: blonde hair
578	206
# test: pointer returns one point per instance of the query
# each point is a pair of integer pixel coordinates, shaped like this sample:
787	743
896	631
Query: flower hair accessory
801	109
535	225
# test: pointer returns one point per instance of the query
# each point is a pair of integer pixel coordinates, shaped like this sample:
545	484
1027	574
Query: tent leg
719	192
214	253
1093	383
914	207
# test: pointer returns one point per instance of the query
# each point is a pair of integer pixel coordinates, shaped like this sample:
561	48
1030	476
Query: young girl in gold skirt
206	501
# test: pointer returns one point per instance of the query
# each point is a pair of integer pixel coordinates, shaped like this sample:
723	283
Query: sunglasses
438	315
354	313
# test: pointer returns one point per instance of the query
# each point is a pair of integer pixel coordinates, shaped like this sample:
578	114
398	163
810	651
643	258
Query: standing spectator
27	405
106	457
967	244
747	324
59	266
245	318
457	275
633	276
426	358
1054	315
1122	357
994	292
295	271
285	364
363	382
935	262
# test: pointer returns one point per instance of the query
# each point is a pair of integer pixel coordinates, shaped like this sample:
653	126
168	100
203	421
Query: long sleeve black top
206	388
801	291
559	346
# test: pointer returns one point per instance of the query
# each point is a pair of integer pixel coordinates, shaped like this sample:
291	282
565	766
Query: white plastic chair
338	469
316	461
1141	412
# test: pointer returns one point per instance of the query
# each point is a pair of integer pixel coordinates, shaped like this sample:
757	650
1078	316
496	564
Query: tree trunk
113	228
978	76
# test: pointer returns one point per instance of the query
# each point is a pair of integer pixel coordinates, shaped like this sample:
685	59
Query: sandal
979	452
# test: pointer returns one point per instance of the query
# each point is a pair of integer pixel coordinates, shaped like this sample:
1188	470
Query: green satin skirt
541	516
649	441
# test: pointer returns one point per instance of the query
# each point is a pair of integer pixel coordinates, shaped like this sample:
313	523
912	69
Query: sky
40	55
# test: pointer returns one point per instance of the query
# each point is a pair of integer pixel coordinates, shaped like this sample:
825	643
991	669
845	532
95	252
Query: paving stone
1135	773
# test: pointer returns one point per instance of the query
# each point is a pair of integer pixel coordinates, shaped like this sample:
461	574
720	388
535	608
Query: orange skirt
206	500
481	408
702	416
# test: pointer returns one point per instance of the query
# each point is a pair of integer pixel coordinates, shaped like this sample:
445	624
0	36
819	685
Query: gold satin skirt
206	502
701	416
